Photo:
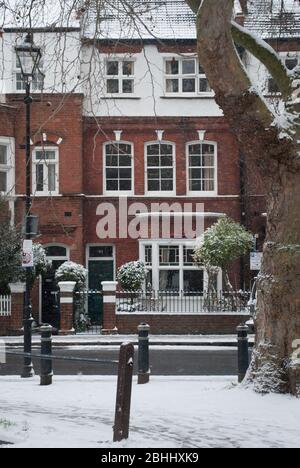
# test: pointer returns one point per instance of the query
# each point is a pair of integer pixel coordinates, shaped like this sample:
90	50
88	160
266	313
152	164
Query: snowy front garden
170	412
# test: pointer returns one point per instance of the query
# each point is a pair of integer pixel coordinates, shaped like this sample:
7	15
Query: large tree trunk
278	321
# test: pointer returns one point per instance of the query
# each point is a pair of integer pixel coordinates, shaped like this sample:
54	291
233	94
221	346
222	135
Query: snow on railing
5	306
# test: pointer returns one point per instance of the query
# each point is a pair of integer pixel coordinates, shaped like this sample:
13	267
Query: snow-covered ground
169	412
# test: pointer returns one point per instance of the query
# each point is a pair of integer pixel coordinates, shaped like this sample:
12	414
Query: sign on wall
256	261
27	254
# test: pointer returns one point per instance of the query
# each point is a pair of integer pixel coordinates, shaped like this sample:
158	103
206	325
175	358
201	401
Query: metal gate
88	311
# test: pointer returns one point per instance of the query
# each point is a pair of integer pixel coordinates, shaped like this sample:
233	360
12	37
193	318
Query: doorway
50	304
101	267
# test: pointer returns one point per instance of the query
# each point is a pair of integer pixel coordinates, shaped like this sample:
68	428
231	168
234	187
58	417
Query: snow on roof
173	19
18	14
274	18
147	19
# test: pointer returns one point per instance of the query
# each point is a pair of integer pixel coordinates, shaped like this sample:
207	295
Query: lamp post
28	56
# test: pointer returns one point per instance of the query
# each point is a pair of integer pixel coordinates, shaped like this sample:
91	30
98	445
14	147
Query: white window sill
118	194
46	194
202	194
188	96
120	96
160	194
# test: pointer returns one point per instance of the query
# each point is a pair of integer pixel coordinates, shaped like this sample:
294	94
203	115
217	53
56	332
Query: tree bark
278	320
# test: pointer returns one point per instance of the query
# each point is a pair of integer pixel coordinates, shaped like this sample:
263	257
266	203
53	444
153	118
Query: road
168	361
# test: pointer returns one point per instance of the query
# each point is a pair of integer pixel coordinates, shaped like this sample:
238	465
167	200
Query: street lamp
28	56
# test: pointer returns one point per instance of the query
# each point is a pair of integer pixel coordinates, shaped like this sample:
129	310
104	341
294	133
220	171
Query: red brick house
127	112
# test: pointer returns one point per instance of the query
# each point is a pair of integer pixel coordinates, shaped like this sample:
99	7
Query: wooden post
123	403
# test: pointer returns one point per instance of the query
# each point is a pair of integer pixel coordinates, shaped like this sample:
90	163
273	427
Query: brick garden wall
204	324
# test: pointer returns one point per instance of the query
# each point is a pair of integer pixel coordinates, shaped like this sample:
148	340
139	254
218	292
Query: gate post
109	289
67	307
17	307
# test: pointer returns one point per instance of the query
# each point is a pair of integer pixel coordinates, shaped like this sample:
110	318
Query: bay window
171	267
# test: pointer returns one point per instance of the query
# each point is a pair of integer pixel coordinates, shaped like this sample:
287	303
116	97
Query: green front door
99	270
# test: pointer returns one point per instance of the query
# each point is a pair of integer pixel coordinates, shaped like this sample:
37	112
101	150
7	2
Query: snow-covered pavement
169	412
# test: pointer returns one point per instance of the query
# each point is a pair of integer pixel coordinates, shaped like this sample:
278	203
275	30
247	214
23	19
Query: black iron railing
182	302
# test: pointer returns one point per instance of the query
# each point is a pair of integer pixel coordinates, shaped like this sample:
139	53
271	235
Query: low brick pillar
109	307
17	308
67	307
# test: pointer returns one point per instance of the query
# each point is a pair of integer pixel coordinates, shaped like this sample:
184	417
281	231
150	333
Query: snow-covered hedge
71	271
132	276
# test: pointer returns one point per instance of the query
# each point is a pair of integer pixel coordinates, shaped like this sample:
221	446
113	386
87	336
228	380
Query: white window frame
159	193
180	76
156	267
120	77
118	192
9	167
202	193
36	162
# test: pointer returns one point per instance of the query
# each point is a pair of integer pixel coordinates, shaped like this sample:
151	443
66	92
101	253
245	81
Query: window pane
169	280
128	68
113	86
3	154
112	185
101	251
167	173
188	256
3	182
127	86
201	70
204	86
112	68
195	185
45	155
38	82
195	161
19	82
172	86
167	185
208	160
153	173
125	185
153	150
166	161
195	149
111	161
193	280
153	161
188	85
148	255
153	185
168	255
125	173
124	149
188	67
112	149
56	251
166	149
125	161
172	67
51	178
40	177
112	173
